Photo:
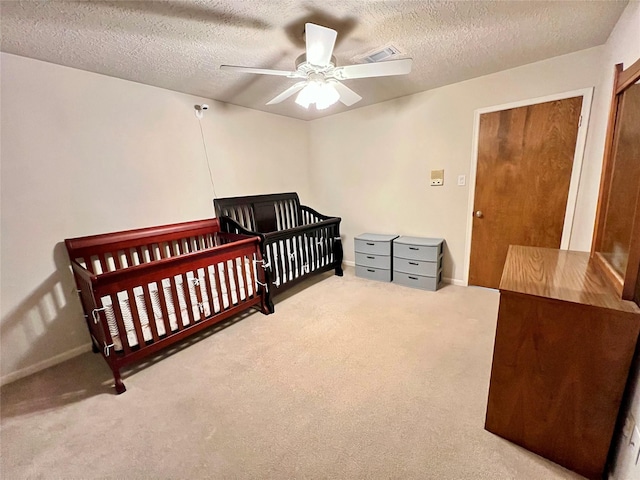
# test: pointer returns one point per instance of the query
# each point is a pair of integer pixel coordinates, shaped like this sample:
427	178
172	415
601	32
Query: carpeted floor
349	379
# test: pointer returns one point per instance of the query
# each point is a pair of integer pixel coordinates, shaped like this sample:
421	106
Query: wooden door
525	158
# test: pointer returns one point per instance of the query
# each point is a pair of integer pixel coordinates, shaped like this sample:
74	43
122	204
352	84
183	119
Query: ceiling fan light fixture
308	94
327	96
321	93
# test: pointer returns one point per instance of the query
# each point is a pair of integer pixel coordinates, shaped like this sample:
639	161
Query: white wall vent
379	55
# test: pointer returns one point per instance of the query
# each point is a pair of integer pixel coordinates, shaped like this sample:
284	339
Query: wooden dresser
563	349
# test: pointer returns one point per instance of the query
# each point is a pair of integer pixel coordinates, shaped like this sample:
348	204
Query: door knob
479	214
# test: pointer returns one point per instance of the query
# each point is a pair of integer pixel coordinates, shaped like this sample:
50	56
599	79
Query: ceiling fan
320	84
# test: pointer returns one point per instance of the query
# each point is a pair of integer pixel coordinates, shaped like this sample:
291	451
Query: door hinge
580	122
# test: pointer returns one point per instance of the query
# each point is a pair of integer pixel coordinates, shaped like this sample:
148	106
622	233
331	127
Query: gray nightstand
374	255
417	262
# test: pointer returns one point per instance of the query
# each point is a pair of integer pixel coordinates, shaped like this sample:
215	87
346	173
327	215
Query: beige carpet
349	379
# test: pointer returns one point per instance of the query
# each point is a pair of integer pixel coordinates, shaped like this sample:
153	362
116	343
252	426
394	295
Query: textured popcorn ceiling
180	45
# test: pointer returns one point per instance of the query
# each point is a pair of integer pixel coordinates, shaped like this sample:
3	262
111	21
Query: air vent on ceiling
380	55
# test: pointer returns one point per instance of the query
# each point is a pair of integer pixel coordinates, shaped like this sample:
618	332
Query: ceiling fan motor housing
305	67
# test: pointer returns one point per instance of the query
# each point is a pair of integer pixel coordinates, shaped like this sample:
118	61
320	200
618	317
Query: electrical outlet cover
635	444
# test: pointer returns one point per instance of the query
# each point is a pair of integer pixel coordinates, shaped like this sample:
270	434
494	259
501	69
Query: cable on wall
199	115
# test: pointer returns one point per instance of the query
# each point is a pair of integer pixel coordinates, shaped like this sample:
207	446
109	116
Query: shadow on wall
48	315
52	311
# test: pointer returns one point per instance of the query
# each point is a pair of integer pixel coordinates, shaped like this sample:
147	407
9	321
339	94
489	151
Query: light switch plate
462	180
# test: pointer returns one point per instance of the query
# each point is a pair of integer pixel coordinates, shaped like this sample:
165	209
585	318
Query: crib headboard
113	251
262	213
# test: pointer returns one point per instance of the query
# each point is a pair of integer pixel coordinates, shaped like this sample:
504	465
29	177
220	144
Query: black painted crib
296	242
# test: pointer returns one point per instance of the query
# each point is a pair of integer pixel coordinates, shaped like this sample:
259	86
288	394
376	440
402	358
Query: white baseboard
452	281
25	372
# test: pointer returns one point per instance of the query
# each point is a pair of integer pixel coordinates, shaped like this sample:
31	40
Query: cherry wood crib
297	241
143	290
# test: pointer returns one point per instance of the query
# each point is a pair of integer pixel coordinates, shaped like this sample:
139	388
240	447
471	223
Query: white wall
372	165
84	153
623	46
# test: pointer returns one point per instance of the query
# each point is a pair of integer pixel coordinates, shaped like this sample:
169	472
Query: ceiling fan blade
347	96
320	42
287	93
261	71
381	69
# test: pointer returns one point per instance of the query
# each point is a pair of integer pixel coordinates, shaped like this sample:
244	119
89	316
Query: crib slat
163	307
141	259
198	290
275	262
332	234
151	252
103	263
225	272
150	312
176	303
234	270
135	317
207	284
327	252
116	260
242	277
290	217
317	243
325	237
299	256
252	280
305	252
216	276
105	327
243	273
187	298
284	278
127	256
122	331
295	241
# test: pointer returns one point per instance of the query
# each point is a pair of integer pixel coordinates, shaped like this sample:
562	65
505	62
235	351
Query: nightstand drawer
375	261
417	281
415	267
381	274
374	243
429	253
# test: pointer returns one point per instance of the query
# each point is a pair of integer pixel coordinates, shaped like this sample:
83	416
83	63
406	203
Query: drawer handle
369	270
413	263
414	248
372	244
413	278
371	258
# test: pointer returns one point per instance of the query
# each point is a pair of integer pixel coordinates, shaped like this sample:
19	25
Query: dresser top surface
562	275
375	237
422	241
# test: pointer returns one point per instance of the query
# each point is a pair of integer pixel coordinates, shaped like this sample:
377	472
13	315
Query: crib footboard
136	311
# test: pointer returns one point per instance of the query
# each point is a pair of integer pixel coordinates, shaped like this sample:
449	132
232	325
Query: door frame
581	140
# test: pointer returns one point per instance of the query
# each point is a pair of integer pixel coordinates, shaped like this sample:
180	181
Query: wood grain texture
560	275
561	358
607	166
620	210
525	159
